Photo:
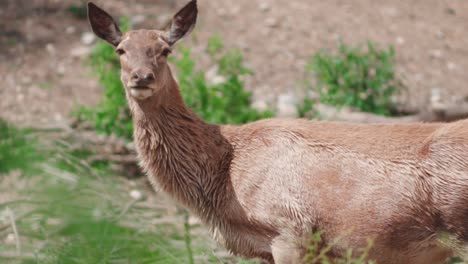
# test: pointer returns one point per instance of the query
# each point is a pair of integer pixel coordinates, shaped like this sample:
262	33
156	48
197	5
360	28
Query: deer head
143	53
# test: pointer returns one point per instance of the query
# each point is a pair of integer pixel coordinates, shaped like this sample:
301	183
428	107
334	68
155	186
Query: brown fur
263	187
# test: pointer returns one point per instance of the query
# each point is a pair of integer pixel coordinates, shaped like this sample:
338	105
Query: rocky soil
44	47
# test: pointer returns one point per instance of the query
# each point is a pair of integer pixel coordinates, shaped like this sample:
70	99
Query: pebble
193	220
50	48
26	79
264	7
260	105
450	11
213	77
271	22
436	95
88	38
137	20
440	34
400	40
287	105
70	30
435	54
10	239
451	66
222	12
60	69
80	51
136	194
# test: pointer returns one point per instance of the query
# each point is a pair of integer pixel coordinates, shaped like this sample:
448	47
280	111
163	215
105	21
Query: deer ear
103	25
183	22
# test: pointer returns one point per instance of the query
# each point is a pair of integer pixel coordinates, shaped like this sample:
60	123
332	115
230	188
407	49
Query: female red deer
264	187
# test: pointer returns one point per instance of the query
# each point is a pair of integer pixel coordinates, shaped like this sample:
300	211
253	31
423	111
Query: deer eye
120	51
166	52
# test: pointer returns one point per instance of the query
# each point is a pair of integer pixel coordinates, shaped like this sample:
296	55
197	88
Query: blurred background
70	187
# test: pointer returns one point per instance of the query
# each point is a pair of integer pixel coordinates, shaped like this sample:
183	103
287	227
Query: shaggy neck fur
186	157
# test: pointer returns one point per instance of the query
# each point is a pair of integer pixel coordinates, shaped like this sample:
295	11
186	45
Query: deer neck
186	157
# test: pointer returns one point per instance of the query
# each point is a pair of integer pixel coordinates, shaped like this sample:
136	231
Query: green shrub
226	102
364	79
306	109
17	150
78	10
222	103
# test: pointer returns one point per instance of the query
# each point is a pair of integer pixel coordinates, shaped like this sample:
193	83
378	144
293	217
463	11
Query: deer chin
141	93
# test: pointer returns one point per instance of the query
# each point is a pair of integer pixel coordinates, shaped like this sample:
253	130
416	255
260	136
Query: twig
187	237
19	217
127	208
15	230
126	159
13	255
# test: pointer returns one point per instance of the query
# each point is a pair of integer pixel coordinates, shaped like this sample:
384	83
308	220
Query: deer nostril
149	76
135	76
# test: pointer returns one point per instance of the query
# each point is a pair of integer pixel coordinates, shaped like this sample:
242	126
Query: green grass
361	78
68	211
17	150
318	252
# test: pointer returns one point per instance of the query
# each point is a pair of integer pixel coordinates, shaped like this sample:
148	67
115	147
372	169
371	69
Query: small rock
390	11
136	194
264	7
222	12
213	77
451	66
234	10
193	220
80	51
436	96
271	22
137	20
435	54
50	48
260	105
287	105
400	40
26	79
88	38
54	221
70	30
60	69
10	239
440	34
58	117
450	11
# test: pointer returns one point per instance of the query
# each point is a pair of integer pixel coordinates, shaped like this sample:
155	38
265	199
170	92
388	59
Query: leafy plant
306	108
17	149
78	10
364	79
221	103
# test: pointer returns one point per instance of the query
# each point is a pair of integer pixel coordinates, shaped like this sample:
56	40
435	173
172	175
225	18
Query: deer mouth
141	92
140	87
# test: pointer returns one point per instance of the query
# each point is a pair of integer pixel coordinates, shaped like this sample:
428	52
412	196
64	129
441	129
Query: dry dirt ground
42	54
